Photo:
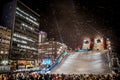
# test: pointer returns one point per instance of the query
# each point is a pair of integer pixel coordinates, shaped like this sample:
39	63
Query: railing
82	50
27	70
4	69
58	60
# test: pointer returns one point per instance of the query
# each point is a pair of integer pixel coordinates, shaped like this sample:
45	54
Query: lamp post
40	53
53	49
109	54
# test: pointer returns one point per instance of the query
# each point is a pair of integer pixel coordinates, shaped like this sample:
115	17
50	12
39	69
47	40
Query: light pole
40	54
109	54
109	60
52	46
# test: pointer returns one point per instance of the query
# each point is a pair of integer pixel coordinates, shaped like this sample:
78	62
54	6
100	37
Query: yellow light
109	42
109	45
1	52
110	48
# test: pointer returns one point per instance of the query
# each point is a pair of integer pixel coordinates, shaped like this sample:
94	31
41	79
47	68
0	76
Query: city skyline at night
71	21
59	36
63	19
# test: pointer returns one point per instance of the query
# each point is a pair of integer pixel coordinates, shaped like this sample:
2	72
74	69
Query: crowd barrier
82	50
58	60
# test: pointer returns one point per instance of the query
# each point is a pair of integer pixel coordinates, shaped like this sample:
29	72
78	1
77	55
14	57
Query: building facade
25	37
49	51
19	32
42	36
7	12
5	39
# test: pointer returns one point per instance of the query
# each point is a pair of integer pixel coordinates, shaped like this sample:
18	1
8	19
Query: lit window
5	62
26	13
1	52
21	41
6	52
23	37
25	25
4	41
27	47
27	18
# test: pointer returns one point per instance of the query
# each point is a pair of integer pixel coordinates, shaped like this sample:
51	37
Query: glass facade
19	32
25	33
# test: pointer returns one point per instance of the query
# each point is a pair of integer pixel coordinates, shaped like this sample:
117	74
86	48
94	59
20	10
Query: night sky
69	21
7	12
108	10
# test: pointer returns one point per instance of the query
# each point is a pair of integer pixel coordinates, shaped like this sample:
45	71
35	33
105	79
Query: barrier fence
58	60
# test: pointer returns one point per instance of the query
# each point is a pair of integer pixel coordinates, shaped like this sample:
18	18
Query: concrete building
42	36
25	36
51	50
5	39
7	12
24	31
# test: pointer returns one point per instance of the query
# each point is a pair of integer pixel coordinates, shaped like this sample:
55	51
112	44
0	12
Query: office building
5	39
7	12
25	36
42	36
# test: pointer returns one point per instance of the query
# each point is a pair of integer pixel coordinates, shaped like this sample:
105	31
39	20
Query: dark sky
7	12
107	9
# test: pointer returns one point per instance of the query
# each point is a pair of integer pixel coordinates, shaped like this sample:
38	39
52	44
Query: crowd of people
29	76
